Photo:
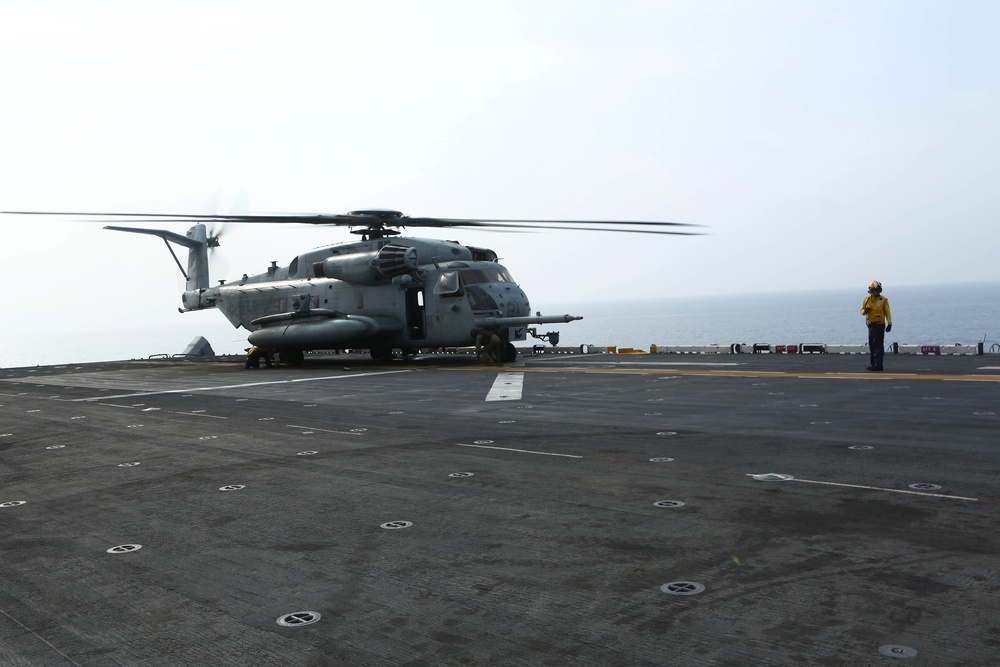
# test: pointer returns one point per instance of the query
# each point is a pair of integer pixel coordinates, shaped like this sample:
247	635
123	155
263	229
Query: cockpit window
480	299
488	275
448	285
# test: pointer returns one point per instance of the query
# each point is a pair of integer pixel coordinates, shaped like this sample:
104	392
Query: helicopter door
415	329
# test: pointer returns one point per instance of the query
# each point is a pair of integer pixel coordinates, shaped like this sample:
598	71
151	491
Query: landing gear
509	353
291	357
381	353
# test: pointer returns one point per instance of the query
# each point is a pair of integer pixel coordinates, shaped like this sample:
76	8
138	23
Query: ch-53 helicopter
382	293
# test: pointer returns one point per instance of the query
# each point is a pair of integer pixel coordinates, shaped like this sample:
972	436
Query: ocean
924	315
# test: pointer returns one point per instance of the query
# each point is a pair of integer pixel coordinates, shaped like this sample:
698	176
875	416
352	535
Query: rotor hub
380	213
375	220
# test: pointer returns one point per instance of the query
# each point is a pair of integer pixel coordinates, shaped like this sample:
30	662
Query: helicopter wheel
410	351
509	353
381	353
291	357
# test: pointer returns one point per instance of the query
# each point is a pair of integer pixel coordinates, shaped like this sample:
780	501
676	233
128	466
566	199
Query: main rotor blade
600	229
319	219
378	222
492	221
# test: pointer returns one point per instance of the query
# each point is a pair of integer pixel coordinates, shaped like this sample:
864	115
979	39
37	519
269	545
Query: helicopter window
489	275
479	299
448	285
359	300
474	277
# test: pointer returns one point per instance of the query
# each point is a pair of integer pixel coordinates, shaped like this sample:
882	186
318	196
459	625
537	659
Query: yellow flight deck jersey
878	312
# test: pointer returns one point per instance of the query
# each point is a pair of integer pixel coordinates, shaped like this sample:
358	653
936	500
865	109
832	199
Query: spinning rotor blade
192	218
495	225
214	231
380	219
502	221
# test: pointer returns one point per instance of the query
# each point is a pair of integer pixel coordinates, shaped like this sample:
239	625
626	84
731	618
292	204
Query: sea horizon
966	313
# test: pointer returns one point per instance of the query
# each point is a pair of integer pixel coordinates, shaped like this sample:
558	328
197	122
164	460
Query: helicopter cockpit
493	273
488	288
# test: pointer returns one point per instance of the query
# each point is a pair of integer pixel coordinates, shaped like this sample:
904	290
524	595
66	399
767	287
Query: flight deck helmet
875	287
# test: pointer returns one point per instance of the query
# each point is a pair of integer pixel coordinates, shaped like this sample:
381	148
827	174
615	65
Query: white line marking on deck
238	386
520	451
507	387
878	488
39	637
313	428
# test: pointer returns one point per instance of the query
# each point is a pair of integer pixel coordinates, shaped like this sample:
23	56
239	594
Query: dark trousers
876	344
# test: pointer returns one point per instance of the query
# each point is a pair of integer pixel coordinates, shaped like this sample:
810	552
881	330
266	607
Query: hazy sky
824	144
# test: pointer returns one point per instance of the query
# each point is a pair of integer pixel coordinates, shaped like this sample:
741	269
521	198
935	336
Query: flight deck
561	510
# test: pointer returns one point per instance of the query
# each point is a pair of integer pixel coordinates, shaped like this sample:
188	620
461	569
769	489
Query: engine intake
393	260
368	268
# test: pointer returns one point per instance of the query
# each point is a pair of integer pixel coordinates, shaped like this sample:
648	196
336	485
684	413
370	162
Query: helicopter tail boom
196	242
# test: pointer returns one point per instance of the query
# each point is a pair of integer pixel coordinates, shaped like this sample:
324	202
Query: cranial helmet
876	286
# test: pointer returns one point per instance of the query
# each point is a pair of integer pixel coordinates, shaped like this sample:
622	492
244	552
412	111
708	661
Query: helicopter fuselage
405	293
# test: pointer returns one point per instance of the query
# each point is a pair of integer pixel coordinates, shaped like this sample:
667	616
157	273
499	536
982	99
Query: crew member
875	308
255	355
489	346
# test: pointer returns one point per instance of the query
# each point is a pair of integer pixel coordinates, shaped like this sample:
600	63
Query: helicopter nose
517	305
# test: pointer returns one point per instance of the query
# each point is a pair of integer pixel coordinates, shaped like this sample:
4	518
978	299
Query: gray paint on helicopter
383	293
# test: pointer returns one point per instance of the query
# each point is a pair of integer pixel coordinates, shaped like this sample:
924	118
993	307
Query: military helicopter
382	293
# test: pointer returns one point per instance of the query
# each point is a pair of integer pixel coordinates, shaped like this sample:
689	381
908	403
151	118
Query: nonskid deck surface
587	510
